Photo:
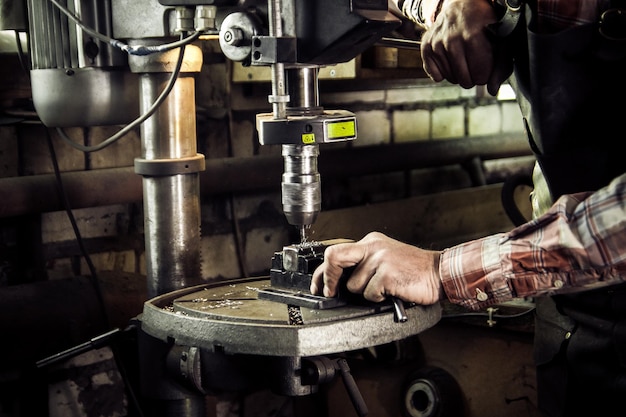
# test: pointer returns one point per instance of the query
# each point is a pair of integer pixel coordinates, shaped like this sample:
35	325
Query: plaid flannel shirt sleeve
579	244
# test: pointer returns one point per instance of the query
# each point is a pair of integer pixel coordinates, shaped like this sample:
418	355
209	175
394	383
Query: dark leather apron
576	124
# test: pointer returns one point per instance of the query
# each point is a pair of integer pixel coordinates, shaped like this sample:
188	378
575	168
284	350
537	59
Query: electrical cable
20	52
79	239
130	49
126	129
94	278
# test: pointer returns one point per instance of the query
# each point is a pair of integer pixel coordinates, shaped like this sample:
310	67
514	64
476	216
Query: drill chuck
301	186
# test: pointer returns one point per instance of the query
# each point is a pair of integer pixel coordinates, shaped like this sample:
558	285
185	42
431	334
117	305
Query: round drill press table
229	317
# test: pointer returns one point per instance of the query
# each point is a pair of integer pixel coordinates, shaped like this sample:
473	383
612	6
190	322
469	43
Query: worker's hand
383	267
458	48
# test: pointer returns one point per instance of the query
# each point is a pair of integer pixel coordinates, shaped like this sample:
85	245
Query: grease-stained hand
458	48
383	267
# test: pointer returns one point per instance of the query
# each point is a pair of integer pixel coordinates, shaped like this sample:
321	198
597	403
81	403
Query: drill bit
302	234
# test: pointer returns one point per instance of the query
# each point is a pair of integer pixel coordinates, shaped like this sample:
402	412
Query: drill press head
302	36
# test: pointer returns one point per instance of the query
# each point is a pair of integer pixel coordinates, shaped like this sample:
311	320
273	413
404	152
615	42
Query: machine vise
291	273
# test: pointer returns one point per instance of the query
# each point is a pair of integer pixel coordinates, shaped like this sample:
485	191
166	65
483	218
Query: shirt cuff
472	274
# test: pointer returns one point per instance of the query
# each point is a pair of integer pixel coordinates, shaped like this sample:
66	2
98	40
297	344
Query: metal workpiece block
293	267
229	317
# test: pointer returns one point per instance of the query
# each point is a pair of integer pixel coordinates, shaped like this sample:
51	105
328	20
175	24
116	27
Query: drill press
226	335
222	337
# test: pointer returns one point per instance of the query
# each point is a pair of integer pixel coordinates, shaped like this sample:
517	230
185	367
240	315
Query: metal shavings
226	303
311	244
295	315
200	300
307	247
222	304
212	295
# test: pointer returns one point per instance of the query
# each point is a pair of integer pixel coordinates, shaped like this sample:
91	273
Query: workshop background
428	167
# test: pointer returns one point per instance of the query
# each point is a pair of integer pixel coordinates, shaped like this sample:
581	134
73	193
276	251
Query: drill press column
170	167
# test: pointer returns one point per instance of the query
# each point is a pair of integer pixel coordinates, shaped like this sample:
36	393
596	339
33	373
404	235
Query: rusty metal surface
228	316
